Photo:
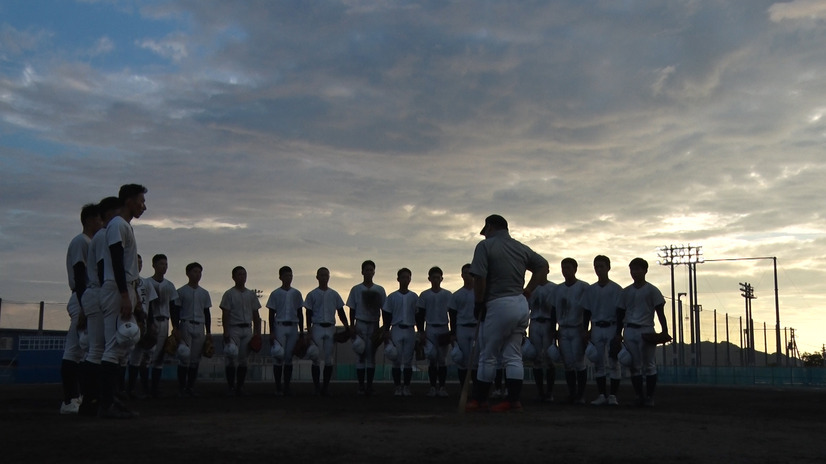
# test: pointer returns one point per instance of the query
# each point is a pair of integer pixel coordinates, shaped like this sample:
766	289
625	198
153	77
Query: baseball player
438	327
239	308
399	317
568	313
498	268
366	301
285	304
118	295
191	322
461	304
541	337
600	305
76	257
323	304
159	314
90	372
638	304
139	357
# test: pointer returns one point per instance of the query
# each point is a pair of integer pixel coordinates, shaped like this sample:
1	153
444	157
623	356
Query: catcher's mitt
300	350
614	347
170	347
342	336
255	343
656	338
443	339
209	347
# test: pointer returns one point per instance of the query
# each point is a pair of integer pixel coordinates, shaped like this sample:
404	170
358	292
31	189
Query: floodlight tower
689	255
747	292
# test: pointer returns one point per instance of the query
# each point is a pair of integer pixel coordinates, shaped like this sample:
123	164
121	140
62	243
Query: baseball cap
496	221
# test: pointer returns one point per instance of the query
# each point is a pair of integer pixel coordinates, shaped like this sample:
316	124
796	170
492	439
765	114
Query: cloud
798	9
172	48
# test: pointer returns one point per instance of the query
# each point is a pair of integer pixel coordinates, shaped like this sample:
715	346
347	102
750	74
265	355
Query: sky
324	133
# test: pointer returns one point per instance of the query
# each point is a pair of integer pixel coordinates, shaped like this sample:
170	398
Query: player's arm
300	320
553	322
620	321
659	309
480	288
116	251
79	270
256	322
420	322
225	312
452	316
272	325
586	319
342	316
207	321
308	314
539	274
175	314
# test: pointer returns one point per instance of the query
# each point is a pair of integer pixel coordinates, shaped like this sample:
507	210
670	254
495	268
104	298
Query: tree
812	359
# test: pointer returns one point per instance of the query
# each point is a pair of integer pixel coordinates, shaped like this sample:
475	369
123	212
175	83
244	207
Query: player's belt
241	325
633	326
543	319
325	324
404	326
468	325
570	326
436	325
161	318
193	322
366	322
604	323
286	323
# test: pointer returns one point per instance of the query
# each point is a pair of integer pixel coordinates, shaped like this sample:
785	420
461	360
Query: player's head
239	276
132	196
108	208
285	275
493	223
404	276
160	264
434	276
323	277
368	270
601	266
569	267
90	217
194	272
467	277
638	268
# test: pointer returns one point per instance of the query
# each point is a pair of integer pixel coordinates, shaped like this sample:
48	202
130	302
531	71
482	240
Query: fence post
40	320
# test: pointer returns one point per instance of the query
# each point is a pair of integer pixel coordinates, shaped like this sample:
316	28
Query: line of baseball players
119	319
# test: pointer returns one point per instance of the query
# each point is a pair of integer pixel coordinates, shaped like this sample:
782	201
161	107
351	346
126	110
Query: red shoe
505	406
475	406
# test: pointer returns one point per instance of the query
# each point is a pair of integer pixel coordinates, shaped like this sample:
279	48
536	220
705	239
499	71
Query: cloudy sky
326	133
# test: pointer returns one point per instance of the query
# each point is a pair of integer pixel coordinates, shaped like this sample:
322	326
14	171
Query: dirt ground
689	424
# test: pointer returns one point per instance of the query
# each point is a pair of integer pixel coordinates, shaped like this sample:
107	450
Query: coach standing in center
498	267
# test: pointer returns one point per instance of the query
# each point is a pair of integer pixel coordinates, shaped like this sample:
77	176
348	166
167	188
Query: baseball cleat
497	394
612	401
505	406
443	392
72	408
432	392
398	391
475	406
601	400
406	391
648	402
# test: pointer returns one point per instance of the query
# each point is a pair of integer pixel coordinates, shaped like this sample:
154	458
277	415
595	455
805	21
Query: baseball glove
300	350
656	338
148	340
255	343
209	347
342	336
170	347
444	339
378	338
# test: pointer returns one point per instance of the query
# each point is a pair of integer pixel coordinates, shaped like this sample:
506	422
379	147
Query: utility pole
747	292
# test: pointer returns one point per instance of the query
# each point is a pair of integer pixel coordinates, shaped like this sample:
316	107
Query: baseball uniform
194	303
602	302
462	301
160	310
434	305
240	308
366	304
285	309
324	305
401	309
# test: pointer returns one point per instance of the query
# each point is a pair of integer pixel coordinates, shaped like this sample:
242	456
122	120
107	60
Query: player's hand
140	315
480	310
125	306
226	339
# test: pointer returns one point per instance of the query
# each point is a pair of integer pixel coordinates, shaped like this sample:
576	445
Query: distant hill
727	354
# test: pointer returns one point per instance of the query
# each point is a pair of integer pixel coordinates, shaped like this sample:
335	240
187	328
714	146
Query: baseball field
688	425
